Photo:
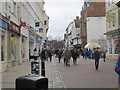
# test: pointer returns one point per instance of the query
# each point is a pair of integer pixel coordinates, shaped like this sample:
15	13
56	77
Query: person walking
75	55
67	56
97	57
35	54
59	55
43	54
50	55
85	53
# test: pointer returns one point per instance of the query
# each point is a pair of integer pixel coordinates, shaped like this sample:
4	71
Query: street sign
35	67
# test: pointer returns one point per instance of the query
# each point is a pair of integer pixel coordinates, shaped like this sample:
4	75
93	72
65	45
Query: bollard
31	82
42	68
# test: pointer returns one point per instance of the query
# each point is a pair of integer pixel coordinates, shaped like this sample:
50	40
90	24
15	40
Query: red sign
23	24
117	41
14	27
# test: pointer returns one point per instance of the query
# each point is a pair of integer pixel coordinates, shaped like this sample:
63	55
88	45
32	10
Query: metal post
42	68
119	82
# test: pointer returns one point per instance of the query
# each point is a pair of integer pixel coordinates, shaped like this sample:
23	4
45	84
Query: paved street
83	75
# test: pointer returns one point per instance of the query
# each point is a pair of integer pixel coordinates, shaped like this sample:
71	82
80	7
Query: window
41	30
117	46
13	8
13	47
110	46
45	22
37	24
109	24
119	17
2	46
113	24
18	11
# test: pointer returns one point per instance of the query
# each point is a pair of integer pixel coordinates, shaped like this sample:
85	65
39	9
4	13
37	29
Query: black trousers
96	63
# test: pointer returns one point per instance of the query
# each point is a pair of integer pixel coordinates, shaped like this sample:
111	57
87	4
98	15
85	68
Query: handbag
117	67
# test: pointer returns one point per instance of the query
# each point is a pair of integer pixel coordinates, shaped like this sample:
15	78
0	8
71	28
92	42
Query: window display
2	46
117	46
13	46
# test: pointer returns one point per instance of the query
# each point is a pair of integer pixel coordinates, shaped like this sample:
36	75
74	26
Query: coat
74	54
67	54
96	55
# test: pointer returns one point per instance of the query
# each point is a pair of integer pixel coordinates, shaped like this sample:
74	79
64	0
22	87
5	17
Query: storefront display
3	30
117	45
13	46
2	46
13	43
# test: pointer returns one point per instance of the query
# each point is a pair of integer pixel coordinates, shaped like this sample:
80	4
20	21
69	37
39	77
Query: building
72	36
113	29
93	23
18	33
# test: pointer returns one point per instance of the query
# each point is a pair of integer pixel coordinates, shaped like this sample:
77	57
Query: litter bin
35	67
31	82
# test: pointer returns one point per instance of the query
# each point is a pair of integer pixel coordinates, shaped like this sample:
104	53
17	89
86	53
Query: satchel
117	68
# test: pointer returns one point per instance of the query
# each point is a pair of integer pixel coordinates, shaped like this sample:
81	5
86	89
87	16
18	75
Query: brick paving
83	75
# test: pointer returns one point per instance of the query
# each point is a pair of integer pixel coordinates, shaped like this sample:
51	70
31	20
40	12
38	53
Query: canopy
92	45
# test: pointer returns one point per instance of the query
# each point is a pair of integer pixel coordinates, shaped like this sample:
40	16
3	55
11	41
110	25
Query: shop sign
117	41
23	24
3	24
14	27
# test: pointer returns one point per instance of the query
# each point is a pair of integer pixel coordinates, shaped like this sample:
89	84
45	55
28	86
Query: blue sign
3	24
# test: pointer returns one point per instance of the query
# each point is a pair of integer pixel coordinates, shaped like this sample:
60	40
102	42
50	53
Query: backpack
117	68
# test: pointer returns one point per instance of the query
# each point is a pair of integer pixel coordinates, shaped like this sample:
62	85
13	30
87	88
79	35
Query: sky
61	13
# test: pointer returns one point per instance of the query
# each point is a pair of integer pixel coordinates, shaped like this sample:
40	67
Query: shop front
24	44
3	44
13	44
113	43
31	41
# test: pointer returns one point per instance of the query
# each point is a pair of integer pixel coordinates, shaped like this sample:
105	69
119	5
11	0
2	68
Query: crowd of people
66	54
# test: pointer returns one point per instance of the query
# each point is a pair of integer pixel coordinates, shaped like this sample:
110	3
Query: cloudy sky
61	13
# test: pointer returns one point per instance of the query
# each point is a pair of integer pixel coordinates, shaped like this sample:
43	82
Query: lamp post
43	62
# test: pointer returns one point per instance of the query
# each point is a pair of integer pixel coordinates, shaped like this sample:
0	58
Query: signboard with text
14	27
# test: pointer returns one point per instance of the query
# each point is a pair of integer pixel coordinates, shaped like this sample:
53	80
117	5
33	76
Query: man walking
97	57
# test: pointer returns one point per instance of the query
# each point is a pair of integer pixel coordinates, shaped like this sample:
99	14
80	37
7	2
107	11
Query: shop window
117	46
13	47
2	47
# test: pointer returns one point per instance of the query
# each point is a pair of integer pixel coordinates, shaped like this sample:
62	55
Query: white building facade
113	29
73	35
96	27
18	33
